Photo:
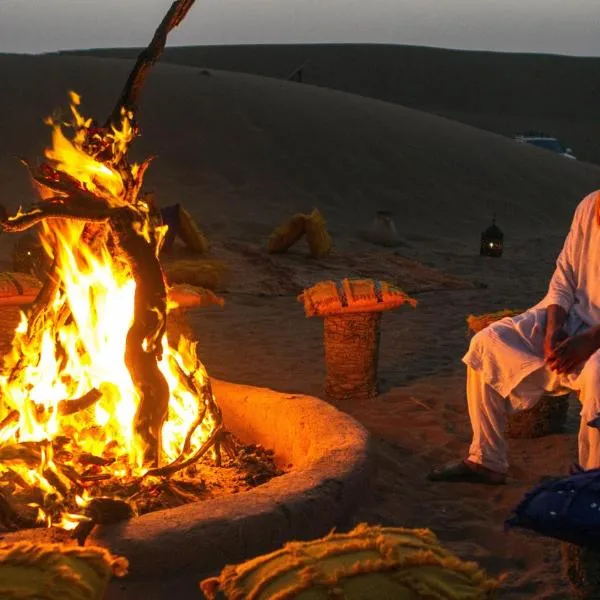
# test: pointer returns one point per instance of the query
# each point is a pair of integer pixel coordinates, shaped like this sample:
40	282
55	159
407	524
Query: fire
67	397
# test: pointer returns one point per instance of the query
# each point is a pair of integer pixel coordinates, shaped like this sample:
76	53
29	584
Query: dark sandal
462	473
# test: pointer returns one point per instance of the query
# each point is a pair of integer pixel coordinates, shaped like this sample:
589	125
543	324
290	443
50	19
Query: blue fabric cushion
567	509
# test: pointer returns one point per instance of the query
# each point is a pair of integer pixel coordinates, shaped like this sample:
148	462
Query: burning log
90	459
94	477
12	418
26	452
102	511
11	519
70	407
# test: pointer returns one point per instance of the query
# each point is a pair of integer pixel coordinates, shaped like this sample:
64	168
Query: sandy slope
243	152
501	92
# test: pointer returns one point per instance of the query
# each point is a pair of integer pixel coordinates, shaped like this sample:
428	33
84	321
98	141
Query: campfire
96	407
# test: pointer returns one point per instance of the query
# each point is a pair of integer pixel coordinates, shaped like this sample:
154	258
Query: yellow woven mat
352	296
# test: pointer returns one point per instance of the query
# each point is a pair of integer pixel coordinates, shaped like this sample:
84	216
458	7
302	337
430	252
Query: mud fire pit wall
326	454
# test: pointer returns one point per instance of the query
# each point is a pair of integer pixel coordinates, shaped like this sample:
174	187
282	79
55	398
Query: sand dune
243	152
500	92
264	148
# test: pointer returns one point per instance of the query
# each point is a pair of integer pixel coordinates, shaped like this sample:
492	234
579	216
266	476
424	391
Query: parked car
545	142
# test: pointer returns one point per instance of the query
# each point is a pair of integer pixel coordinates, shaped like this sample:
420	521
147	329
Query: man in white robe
551	348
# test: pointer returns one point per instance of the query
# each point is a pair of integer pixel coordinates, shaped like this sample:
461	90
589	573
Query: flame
79	342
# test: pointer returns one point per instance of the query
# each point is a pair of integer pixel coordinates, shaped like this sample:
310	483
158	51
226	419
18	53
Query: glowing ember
84	392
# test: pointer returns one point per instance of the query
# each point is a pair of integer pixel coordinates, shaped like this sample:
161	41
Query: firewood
13	477
55	481
26	452
62	456
89	459
185	497
217	451
130	94
92	478
70	407
82	531
11	419
107	511
12	519
175	466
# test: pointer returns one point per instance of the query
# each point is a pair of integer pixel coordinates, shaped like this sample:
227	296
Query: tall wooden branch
129	96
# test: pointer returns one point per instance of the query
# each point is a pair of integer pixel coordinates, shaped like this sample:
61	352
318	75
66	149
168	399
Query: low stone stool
581	567
351	310
548	416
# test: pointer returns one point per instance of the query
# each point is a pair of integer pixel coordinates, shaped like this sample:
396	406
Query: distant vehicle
545	142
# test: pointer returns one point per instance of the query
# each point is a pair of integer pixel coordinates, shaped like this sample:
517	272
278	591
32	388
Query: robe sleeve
563	283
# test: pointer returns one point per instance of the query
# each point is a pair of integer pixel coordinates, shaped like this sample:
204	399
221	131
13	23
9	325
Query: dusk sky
549	26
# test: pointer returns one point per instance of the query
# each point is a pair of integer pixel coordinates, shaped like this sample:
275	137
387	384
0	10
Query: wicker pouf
547	417
352	355
581	567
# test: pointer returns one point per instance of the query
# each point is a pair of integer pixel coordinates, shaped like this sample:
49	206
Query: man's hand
572	352
554	334
552	339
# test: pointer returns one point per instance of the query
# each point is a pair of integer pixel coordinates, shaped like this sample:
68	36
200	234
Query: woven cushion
352	296
382	563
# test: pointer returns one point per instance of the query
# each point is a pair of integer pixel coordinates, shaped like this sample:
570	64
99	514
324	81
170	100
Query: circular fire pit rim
331	473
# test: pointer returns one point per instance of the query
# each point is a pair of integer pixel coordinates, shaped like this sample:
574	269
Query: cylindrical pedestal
352	355
547	417
581	567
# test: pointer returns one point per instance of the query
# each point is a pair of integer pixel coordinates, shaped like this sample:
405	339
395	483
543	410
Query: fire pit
98	408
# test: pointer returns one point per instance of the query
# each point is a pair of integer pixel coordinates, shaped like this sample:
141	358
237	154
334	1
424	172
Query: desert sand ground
500	92
242	153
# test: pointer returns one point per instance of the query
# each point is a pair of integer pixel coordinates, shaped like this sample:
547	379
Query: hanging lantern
492	240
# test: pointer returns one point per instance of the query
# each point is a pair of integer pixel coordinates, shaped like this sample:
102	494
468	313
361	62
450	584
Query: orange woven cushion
352	296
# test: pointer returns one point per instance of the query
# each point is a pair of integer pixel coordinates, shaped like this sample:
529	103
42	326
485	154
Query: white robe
512	348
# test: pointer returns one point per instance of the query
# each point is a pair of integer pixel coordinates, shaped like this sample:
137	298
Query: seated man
549	349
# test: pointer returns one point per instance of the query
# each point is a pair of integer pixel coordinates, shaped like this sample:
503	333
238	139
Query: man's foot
466	471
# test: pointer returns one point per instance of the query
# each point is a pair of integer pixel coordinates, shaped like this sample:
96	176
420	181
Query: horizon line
266	44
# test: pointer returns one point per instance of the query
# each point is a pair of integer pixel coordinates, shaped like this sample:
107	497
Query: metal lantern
492	240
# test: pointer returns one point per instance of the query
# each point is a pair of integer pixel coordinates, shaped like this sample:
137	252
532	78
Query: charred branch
12	418
148	57
70	407
10	518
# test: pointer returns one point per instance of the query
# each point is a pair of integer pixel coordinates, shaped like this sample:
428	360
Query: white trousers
488	411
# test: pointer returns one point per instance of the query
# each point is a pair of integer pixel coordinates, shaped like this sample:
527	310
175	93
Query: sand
501	92
242	153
